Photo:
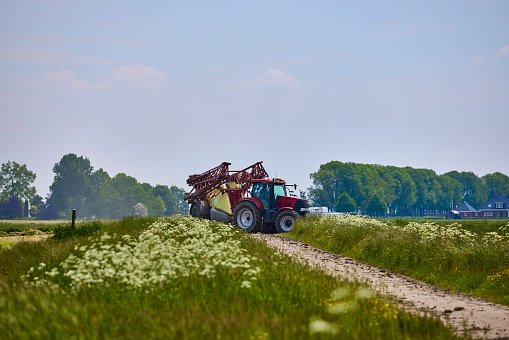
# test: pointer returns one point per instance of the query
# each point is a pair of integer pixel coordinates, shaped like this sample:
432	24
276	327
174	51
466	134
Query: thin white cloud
271	78
67	79
504	51
138	73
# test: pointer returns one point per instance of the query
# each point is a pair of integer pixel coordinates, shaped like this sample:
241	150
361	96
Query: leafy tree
346	204
182	205
16	181
93	206
376	206
158	207
34	210
451	193
405	191
386	183
473	189
172	198
322	193
334	178
120	194
497	184
11	208
155	205
72	183
35	205
169	200
428	189
370	184
47	211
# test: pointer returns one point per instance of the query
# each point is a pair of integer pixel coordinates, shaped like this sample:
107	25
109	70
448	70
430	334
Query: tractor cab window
279	190
262	192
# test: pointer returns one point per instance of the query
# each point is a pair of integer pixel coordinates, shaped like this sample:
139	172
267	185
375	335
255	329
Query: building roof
465	207
490	205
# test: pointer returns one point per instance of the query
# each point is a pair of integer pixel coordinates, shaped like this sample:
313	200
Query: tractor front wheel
285	221
247	217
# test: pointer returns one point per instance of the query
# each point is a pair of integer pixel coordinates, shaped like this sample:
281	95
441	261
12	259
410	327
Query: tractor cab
268	191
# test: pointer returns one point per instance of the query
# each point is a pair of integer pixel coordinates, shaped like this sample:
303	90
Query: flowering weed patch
448	255
180	247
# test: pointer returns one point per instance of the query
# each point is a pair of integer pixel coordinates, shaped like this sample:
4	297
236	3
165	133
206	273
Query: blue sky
164	89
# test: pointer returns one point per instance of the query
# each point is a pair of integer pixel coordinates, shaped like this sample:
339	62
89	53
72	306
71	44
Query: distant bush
48	212
11	208
83	229
12	229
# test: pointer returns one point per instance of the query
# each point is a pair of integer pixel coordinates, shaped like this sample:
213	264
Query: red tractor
246	198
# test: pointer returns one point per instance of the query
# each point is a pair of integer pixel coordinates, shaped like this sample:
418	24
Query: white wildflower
321	326
245	284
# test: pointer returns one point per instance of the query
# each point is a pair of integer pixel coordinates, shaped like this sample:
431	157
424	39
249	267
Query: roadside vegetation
23	227
468	256
179	277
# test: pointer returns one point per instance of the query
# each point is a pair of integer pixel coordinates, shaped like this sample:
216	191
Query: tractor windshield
279	190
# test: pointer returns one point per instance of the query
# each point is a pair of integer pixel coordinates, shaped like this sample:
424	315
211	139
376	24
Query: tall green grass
27	227
270	296
472	258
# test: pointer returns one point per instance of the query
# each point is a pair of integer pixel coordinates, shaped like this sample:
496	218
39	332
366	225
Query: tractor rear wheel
200	209
285	221
247	216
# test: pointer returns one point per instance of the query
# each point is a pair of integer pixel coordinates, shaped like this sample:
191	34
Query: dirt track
485	319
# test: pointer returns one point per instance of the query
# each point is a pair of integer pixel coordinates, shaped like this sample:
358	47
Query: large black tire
200	209
247	216
285	221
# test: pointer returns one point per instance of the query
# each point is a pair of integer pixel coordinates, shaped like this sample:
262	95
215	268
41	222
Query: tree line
388	190
93	193
343	187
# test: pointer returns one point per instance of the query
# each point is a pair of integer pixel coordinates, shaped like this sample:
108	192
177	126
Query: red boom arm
215	177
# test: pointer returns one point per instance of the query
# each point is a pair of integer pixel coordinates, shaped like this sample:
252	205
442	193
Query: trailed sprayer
247	198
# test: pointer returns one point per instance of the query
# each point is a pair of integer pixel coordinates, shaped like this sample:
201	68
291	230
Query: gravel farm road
485	319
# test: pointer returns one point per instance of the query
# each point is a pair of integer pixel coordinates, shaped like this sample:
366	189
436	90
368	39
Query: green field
181	277
470	256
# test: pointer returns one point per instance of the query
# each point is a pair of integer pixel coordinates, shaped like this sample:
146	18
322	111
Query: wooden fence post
73	218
